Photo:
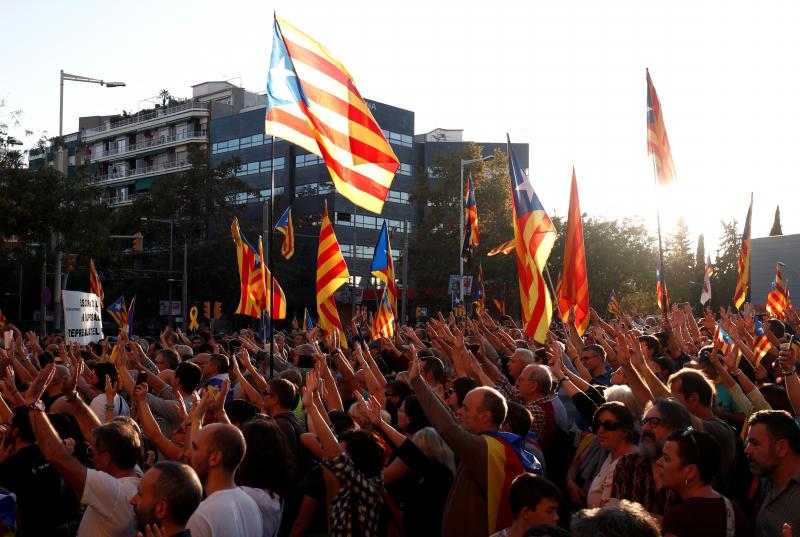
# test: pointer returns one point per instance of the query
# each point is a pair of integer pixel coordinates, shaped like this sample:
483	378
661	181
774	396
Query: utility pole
404	308
185	284
43	306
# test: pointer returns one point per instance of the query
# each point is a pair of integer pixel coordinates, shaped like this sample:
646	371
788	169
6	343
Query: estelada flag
383	323
313	102
743	267
383	265
119	312
285	226
574	290
534	235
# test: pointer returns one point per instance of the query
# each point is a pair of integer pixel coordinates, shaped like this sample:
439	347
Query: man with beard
773	450
216	452
636	477
168	494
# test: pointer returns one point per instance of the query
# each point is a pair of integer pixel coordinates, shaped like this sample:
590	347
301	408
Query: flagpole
555	298
270	258
664	299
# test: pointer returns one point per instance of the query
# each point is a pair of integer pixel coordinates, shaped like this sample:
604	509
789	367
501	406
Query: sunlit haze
566	77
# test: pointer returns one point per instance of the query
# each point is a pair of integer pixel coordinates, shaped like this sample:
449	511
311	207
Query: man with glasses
636	477
593	358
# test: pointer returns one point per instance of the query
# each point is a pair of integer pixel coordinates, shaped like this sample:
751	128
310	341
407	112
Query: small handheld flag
119	312
778	297
761	344
662	295
94	282
613	306
383	323
285	226
308	321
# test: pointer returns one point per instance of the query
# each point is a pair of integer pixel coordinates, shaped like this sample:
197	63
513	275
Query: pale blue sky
566	77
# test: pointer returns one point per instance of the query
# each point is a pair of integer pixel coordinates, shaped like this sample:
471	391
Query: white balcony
140	173
143	120
132	150
120	201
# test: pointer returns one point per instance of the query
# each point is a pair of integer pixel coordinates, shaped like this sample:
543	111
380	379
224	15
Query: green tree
776	224
723	284
679	264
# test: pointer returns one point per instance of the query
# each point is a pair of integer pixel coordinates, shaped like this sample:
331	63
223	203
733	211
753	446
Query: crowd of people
456	427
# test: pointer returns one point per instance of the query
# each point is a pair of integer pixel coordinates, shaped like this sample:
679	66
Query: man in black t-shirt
36	484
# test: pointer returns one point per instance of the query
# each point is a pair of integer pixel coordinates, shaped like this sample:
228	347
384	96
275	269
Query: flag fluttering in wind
657	142
613	305
331	274
286	227
574	291
778	297
313	102
383	265
535	235
722	340
761	344
471	233
743	269
383	323
505	248
94	282
119	312
254	279
308	321
480	293
705	295
662	294
500	300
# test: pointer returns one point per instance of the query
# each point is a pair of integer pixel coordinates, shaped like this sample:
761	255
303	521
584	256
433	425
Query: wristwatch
36	406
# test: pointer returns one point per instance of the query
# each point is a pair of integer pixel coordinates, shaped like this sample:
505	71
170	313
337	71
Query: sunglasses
689	433
654	422
607	425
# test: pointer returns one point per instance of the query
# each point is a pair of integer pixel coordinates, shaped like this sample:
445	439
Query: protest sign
83	322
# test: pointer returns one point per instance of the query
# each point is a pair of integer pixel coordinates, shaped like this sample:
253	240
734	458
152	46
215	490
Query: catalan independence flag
129	317
253	281
535	235
383	323
778	297
722	340
505	248
285	226
383	266
613	305
500	300
313	102
331	274
94	283
277	309
507	458
657	142
761	344
574	291
743	269
119	312
308	321
471	233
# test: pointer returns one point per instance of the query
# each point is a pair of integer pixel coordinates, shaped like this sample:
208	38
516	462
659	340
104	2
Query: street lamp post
461	221
171	223
71	78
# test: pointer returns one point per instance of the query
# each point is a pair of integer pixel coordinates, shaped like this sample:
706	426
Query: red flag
574	291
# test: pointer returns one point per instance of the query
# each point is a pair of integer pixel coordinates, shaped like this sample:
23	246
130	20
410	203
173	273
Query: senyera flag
743	267
285	226
383	266
657	141
534	235
573	293
94	282
254	281
313	102
331	274
505	248
778	297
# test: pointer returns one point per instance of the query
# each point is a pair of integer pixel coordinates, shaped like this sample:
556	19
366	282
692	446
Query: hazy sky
566	77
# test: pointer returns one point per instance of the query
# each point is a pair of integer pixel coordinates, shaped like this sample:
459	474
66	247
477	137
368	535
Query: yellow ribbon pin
193	324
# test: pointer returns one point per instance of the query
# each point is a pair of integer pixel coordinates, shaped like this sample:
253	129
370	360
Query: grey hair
434	447
625	395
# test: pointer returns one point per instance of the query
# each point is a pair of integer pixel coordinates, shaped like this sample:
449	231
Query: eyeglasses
607	425
653	422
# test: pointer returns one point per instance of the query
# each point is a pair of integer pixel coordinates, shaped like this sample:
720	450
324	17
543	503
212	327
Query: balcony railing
172	166
146	116
149	144
119	201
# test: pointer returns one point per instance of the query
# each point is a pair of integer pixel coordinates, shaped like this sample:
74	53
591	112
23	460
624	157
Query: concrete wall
766	252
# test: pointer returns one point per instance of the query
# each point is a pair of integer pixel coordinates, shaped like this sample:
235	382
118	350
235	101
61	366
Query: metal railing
146	116
116	201
155	142
136	172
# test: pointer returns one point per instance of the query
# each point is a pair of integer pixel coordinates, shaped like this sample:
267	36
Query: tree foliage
776	224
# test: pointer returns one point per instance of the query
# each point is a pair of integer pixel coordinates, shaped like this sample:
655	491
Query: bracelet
108	406
785	373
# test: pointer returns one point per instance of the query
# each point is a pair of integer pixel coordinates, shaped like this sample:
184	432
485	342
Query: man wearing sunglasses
636	477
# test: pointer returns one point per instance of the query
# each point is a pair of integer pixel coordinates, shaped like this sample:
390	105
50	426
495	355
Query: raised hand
413	363
111	390
39	384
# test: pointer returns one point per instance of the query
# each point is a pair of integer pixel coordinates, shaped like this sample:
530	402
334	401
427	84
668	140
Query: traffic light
69	263
207	310
218	310
138	242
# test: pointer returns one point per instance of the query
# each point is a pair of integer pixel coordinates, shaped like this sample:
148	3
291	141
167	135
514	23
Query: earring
686	482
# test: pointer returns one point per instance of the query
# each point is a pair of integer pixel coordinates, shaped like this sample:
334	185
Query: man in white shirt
215	453
106	490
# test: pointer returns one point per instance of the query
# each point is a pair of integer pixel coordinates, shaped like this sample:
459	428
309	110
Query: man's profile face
145	500
546	512
198	454
470	412
760	451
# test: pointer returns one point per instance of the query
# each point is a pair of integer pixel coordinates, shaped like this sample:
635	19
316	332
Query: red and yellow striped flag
574	291
778	297
331	274
94	282
313	102
278	309
383	324
743	271
505	248
657	141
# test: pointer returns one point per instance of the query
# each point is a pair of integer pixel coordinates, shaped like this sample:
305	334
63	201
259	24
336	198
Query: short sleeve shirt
108	500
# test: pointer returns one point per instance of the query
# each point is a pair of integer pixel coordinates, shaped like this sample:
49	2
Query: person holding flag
778	297
383	323
94	283
383	266
613	306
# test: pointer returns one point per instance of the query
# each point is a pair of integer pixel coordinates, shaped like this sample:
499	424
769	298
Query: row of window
313	189
262	166
239	143
398	139
251	197
364	252
369	222
301	161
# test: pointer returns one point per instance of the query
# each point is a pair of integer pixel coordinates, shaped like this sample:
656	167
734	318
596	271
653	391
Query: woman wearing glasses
688	464
614	425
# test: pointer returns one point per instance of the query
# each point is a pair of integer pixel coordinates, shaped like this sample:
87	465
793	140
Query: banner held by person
83	321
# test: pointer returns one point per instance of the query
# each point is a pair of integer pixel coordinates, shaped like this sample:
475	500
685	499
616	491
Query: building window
369	222
302	161
396	138
239	143
263	166
314	189
241	198
395	196
364	252
404	169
